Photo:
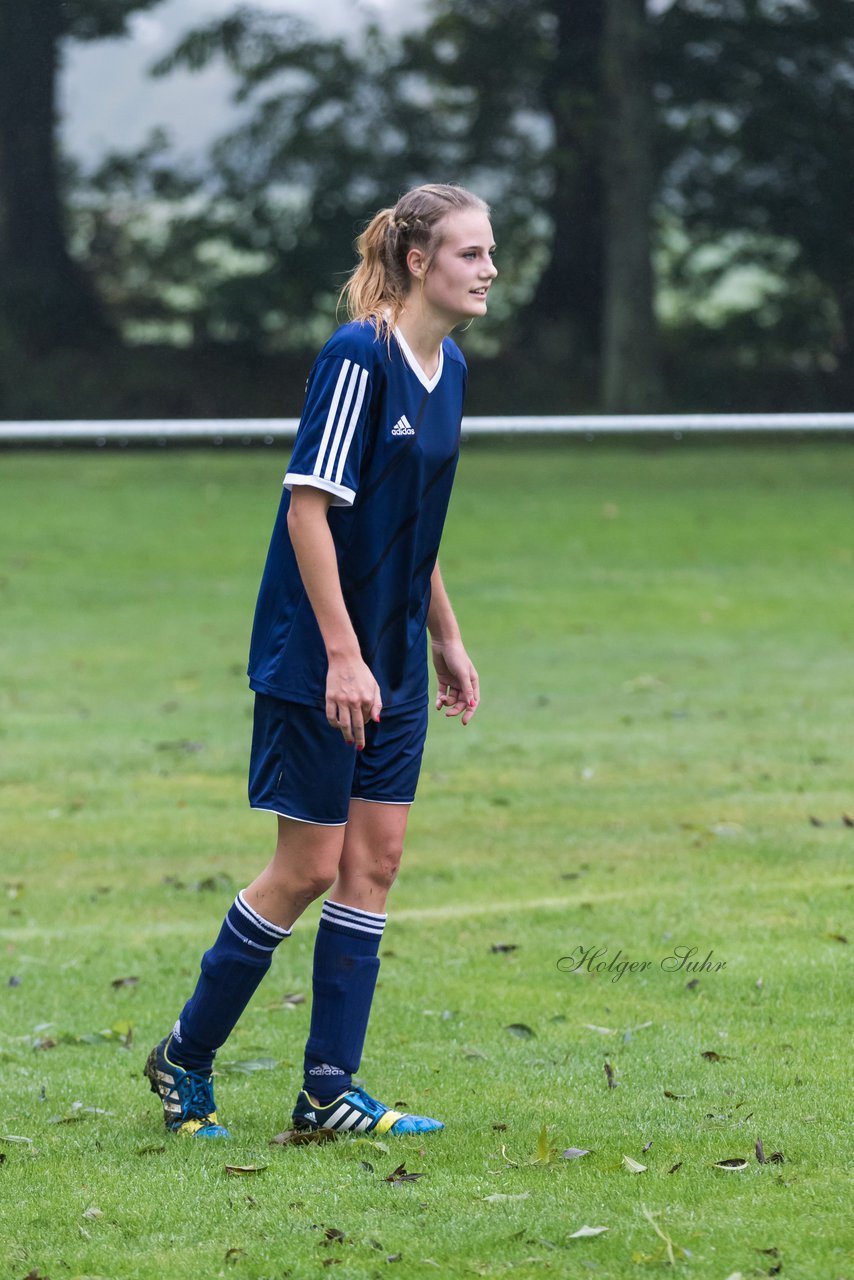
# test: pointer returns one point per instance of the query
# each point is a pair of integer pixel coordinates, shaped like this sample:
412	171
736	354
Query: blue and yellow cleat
357	1112
187	1096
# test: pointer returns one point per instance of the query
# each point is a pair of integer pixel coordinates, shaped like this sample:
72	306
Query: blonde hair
379	284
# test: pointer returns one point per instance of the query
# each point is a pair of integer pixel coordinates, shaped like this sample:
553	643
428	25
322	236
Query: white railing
217	431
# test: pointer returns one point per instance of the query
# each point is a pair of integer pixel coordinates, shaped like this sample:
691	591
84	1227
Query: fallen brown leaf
400	1175
302	1137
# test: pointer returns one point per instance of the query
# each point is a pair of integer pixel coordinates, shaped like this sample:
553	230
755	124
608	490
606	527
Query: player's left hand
458	685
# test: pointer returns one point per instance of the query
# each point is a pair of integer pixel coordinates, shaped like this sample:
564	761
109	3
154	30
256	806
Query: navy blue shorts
302	768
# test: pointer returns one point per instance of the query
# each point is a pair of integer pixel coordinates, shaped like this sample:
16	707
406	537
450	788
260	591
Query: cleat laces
376	1109
199	1104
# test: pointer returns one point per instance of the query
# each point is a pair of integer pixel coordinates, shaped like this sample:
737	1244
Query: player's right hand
352	698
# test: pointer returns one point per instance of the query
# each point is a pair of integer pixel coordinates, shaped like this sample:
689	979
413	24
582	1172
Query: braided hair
380	283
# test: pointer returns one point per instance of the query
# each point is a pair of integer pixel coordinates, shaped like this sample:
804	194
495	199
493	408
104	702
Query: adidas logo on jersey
403	427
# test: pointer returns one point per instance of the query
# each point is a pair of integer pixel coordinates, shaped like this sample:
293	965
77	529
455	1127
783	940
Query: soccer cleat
357	1112
187	1096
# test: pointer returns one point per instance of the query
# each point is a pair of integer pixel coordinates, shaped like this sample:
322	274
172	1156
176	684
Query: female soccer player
338	657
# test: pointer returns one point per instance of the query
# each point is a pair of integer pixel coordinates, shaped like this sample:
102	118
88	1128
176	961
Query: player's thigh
307	854
384	786
373	841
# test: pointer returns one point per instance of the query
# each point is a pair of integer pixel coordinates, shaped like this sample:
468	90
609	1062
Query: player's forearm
441	622
314	548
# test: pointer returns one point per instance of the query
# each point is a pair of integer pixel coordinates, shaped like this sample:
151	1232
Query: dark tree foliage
46	299
97	19
758	100
327	135
544	109
498	96
524	86
630	354
556	101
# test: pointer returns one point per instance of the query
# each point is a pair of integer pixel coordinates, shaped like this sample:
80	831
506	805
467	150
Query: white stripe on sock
368	927
370	923
248	941
266	926
357	911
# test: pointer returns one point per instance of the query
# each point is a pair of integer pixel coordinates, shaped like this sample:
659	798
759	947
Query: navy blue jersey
383	439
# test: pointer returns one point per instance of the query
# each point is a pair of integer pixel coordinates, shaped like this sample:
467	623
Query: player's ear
416	261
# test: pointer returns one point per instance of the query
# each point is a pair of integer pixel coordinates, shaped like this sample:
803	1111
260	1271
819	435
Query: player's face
462	269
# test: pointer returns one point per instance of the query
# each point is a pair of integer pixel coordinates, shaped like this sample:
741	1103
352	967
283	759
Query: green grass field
662	760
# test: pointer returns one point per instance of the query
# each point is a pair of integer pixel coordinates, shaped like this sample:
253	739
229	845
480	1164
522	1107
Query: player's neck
423	333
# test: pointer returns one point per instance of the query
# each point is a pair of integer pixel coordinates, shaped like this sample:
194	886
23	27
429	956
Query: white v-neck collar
429	384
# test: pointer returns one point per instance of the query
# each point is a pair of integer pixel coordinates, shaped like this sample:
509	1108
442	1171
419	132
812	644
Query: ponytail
380	283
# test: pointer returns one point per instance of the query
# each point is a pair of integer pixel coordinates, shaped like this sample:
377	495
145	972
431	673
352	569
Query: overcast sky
108	102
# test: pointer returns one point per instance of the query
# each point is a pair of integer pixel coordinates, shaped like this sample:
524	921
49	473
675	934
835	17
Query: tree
46	299
524	83
259	243
726	122
509	100
630	381
561	105
260	240
758	100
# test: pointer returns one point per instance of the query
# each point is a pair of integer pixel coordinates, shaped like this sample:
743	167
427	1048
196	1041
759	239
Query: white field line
165	928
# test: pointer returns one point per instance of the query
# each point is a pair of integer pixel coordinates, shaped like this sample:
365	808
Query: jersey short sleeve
328	447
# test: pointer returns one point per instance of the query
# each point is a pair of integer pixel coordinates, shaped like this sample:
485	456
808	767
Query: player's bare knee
315	882
302	885
384	868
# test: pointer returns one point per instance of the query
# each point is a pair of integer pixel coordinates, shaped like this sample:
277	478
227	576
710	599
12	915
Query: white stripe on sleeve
342	419
354	418
330	417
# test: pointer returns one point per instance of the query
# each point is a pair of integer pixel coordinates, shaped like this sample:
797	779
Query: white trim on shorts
309	822
370	800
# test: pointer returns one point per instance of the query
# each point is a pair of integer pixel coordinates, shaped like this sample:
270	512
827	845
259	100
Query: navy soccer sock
231	971
345	974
